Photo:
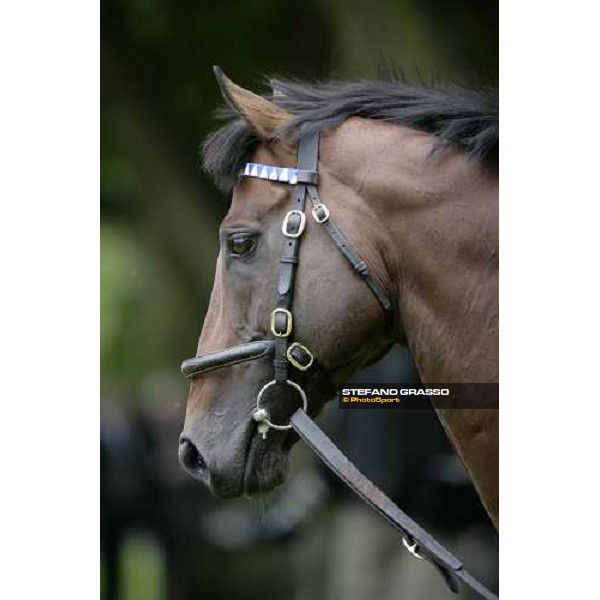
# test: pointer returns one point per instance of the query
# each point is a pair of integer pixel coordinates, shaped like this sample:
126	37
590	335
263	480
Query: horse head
332	314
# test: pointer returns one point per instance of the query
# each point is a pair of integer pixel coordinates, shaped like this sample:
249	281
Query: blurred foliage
131	293
143	570
159	213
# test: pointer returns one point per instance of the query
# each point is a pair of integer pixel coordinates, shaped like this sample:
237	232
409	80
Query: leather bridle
285	354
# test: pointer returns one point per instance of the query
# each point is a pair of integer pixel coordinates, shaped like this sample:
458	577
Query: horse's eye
242	244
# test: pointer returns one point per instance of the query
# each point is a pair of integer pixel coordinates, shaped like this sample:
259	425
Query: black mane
467	118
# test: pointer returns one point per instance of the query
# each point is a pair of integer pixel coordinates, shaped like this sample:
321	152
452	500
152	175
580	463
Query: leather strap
358	265
308	157
449	566
225	358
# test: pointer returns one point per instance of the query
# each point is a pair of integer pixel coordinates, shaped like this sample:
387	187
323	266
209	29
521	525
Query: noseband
285	354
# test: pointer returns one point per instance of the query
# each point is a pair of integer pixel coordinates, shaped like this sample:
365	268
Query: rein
285	354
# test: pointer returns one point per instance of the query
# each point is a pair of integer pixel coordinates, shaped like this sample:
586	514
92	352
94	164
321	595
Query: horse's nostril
190	458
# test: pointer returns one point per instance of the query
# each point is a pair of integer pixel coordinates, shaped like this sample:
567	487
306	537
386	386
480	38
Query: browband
290	175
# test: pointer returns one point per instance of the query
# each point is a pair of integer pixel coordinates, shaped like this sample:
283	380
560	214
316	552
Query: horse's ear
263	116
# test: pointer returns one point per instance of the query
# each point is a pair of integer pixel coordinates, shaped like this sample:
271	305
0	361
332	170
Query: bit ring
261	415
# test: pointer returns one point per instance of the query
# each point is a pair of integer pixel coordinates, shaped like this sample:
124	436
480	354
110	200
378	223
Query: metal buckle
413	548
261	415
295	362
324	213
284	225
288	322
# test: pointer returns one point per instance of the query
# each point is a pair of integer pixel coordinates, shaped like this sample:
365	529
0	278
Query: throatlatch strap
358	265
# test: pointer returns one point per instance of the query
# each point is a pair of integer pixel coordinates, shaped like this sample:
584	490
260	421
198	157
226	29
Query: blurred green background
160	214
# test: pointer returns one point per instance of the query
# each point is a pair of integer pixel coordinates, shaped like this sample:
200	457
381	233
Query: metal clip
263	429
261	416
413	548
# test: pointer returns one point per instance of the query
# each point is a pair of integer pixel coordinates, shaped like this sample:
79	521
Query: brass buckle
318	208
288	319
292	360
284	225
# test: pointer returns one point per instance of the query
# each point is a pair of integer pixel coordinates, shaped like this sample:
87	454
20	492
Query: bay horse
410	174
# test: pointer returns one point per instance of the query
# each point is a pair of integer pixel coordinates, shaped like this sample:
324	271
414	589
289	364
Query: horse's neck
448	287
448	305
443	219
474	434
440	218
